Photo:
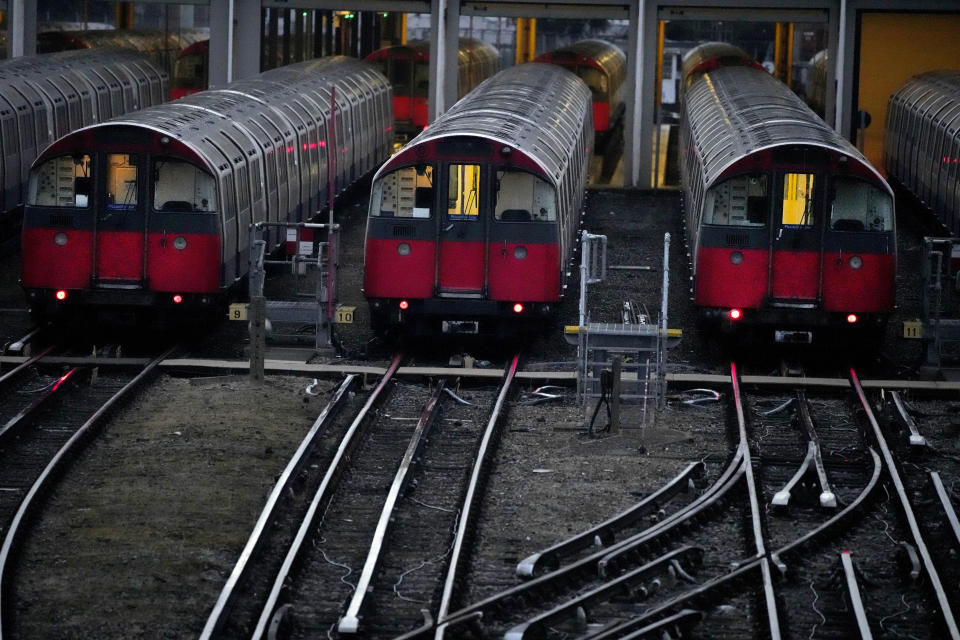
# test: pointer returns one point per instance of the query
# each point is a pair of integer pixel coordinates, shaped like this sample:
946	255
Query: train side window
739	201
63	181
463	192
856	205
404	193
798	199
182	187
523	197
121	181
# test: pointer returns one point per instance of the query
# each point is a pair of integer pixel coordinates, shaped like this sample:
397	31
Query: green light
385	14
349	16
304	14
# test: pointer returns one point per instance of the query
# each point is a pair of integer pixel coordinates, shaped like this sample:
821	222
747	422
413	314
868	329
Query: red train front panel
97	230
463	241
795	249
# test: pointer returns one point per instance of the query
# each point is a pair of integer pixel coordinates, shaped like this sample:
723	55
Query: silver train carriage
788	224
157	205
922	148
45	97
472	224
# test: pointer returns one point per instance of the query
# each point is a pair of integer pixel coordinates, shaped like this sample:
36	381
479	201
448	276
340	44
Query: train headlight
519	253
518	308
403	249
60	239
179	243
735	314
852	318
60	295
856	262
736	257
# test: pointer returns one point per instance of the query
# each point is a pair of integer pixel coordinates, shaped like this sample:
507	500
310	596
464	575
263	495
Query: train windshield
523	197
183	187
404	193
64	181
188	71
463	192
740	201
856	205
421	80
121	181
798	199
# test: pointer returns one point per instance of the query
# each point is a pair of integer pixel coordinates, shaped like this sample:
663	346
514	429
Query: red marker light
61	295
177	298
404	304
735	314
518	308
852	318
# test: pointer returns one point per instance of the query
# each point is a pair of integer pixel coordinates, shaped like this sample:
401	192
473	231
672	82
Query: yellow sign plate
912	329
238	311
345	314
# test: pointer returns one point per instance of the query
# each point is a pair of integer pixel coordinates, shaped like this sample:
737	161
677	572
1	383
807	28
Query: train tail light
177	298
404	305
852	318
518	308
61	295
735	314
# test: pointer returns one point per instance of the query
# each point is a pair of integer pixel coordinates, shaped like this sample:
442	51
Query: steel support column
22	29
638	134
246	37
445	27
221	42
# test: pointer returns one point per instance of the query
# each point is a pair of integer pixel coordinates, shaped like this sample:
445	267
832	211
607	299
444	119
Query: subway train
161	46
151	212
47	96
603	66
472	225
922	148
408	68
790	229
191	70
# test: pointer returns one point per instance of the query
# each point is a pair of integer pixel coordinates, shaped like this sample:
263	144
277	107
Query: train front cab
463	245
111	228
806	249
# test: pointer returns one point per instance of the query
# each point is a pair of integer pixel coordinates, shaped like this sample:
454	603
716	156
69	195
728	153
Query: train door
795	256
461	250
120	226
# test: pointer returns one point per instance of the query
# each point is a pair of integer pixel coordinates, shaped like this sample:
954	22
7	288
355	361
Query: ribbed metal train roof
608	56
930	86
201	115
735	111
536	108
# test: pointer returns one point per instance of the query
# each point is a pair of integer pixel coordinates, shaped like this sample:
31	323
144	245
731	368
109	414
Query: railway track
62	412
804	533
374	541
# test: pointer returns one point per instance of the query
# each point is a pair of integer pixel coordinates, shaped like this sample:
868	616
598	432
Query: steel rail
795	545
603	533
472	498
9	375
828	498
916	439
946	611
627	583
943	496
24	414
350	622
684	619
584	567
27	503
769	593
856	602
220	612
321	496
650	619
